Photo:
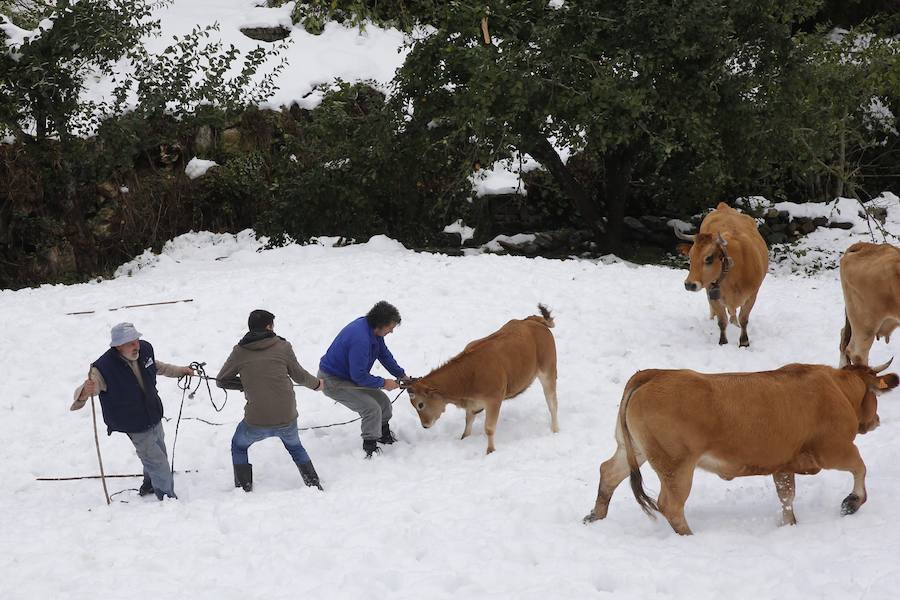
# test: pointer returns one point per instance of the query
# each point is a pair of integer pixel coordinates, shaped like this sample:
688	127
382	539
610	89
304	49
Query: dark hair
383	314
259	319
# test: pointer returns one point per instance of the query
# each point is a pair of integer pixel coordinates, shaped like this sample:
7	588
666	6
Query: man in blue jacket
345	370
125	377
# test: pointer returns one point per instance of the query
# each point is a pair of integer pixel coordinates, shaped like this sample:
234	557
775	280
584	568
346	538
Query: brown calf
490	370
797	419
729	258
870	278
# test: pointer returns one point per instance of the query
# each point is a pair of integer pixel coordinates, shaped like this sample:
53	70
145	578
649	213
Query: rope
351	420
184	384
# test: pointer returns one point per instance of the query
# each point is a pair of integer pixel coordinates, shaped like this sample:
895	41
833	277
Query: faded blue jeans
247	435
150	446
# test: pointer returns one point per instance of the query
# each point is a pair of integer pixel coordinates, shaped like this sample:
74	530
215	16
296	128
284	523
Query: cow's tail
846	333
545	317
647	504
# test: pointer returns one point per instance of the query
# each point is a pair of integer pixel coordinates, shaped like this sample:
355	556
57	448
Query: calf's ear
888	382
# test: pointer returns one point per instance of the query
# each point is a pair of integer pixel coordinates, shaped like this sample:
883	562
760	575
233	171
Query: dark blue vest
126	407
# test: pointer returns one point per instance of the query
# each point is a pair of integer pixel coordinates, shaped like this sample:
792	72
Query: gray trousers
371	404
150	446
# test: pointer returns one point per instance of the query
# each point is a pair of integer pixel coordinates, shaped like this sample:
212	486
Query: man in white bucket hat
125	378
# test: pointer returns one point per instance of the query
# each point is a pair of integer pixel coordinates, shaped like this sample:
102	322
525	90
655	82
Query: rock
450	240
820	221
879	213
636	226
808	227
658	224
777	238
203	141
267	34
231	140
108	190
837	225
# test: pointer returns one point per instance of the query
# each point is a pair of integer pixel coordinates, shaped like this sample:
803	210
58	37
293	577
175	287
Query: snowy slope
432	517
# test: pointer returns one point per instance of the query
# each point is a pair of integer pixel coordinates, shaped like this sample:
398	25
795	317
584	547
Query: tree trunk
544	152
618	165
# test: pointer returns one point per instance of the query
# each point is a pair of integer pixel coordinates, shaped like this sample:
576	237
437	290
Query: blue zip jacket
125	406
354	351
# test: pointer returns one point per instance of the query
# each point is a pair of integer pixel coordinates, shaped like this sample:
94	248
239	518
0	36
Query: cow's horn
720	240
682	235
884	366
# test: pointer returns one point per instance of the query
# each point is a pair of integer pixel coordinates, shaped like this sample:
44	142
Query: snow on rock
519	238
465	233
197	167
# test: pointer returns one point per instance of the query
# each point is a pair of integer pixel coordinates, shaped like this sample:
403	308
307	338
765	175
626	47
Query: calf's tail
846	333
545	317
647	504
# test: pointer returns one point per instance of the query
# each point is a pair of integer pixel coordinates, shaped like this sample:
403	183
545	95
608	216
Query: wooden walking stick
97	444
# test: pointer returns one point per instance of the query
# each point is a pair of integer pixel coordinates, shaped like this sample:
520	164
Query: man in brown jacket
263	365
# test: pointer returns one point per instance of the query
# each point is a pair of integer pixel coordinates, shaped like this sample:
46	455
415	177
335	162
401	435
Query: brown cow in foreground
870	278
490	370
797	419
729	258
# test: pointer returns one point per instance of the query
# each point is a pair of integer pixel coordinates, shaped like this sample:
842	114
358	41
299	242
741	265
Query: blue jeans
150	446
247	435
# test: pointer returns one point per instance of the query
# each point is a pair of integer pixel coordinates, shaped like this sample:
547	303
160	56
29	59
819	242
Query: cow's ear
684	249
888	382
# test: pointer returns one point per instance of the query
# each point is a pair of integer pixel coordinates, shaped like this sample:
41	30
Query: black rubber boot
310	477
371	448
146	487
387	437
243	477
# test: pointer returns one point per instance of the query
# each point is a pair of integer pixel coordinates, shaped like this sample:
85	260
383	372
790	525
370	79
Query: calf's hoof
744	343
723	340
590	518
851	504
788	520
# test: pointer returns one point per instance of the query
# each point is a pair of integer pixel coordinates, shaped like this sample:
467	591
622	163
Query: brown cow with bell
729	259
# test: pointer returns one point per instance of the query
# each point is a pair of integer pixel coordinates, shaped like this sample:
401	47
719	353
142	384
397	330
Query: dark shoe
310	477
243	477
146	487
371	448
387	437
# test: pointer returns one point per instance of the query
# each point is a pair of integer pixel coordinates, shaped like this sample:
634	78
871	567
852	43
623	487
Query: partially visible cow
797	419
729	258
870	278
490	370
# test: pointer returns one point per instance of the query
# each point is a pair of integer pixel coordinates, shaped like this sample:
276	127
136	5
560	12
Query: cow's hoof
744	344
590	518
723	341
850	504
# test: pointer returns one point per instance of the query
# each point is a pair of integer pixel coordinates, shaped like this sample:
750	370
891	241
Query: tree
633	86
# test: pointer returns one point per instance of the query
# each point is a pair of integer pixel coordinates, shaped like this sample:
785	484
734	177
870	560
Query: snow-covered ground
433	516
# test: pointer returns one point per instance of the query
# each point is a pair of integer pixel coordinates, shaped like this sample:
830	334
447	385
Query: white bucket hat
122	334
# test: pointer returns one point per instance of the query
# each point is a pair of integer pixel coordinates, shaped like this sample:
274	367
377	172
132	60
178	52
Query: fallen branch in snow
98	476
90	312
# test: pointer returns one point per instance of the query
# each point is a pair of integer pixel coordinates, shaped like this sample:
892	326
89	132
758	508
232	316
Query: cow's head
876	384
428	402
709	258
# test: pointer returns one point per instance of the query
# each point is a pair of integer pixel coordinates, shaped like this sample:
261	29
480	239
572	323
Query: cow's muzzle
691	286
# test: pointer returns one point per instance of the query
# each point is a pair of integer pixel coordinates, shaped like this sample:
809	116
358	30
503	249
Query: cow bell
714	292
